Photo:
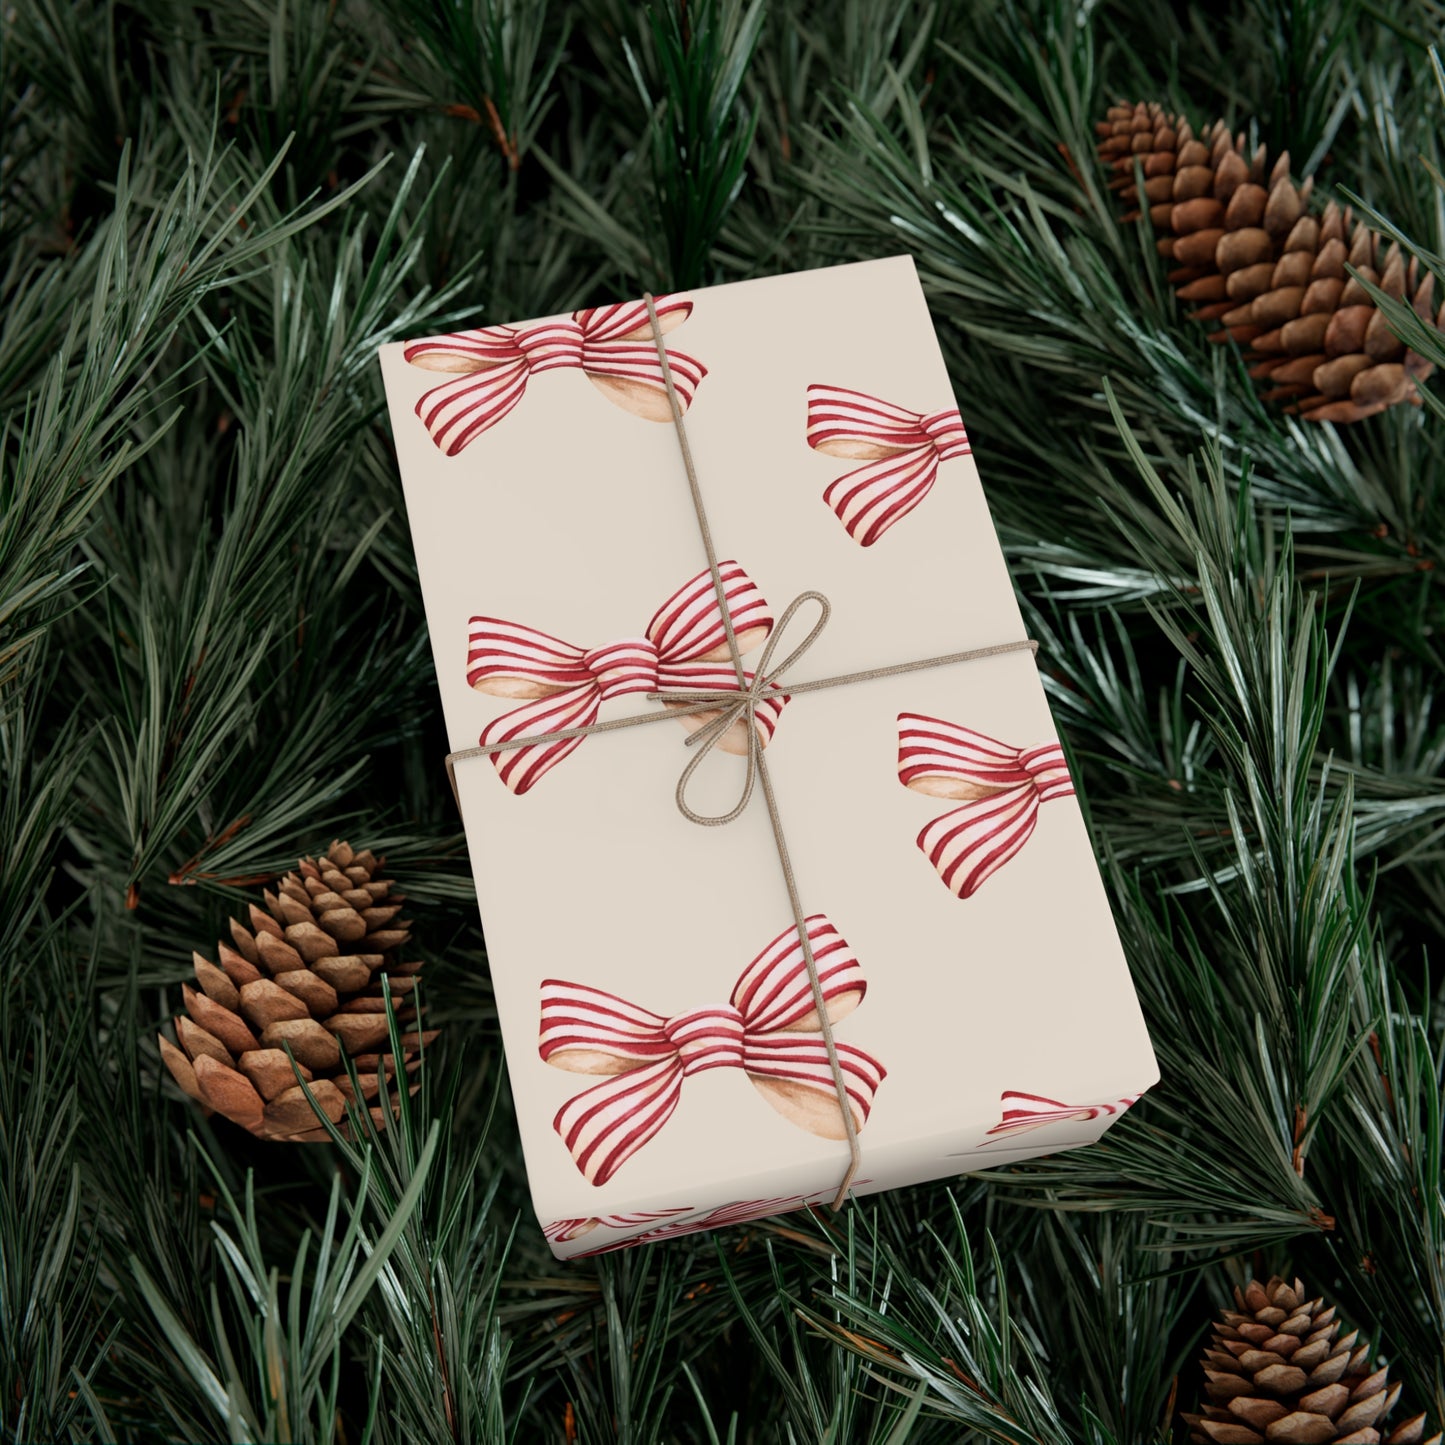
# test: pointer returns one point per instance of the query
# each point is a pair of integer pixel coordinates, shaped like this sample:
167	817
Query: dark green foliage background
213	658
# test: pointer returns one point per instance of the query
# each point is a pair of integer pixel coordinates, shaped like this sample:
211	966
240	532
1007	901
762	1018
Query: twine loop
743	707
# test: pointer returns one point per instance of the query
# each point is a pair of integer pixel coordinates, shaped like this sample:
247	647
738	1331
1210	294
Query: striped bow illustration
1023	1112
743	1211
564	1231
769	1029
1001	788
685	647
902	448
612	345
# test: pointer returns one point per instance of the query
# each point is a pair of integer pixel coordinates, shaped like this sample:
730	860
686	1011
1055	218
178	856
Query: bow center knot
551	345
622	667
1046	767
945	430
707	1038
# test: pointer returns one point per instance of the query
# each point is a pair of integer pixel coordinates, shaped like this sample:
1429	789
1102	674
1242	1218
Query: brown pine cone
307	974
1272	275
1277	1369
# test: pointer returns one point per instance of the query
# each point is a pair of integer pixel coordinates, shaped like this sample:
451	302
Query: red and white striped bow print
1002	788
564	1231
769	1029
685	647
612	345
1022	1112
743	1211
903	449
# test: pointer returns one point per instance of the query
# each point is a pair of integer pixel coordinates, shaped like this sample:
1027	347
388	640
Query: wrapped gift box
665	1051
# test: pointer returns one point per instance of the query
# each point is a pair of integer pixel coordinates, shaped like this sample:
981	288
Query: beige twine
745	698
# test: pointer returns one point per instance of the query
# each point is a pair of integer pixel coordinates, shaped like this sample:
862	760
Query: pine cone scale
215	984
228	1092
307	976
269	1071
265	1002
313	991
1229	1433
239	968
1300	1428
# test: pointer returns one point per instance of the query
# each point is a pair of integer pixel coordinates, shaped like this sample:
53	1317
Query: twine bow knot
760	689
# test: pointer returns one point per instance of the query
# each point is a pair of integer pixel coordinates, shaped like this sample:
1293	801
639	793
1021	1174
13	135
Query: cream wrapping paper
995	1000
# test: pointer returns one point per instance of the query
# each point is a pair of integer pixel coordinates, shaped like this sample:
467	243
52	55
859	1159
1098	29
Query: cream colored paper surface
571	515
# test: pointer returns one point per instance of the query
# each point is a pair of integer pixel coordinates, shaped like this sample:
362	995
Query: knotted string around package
742	702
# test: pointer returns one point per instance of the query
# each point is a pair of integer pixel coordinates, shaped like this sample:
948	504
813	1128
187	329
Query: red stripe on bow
564	1231
685	647
1001	786
903	449
613	345
1022	1112
742	1211
769	1029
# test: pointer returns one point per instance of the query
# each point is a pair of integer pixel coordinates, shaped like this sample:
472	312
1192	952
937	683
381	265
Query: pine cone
307	974
1269	273
1276	1370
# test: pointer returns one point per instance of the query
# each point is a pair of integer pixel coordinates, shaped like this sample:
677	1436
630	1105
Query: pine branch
280	1379
981	1371
230	629
55	1323
211	642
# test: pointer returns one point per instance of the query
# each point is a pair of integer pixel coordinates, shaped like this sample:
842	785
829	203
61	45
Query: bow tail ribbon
610	345
902	449
604	1126
521	768
456	411
740	1213
629	375
870	500
770	1029
970	844
792	1072
1024	1112
1000	788
682	653
564	1231
620	357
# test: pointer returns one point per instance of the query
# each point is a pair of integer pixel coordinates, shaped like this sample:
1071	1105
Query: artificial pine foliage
212	653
